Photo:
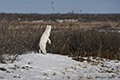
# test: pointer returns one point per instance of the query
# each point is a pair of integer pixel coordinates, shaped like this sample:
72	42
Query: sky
61	6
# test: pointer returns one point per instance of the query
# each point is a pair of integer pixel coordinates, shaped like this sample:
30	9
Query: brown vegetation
68	38
81	17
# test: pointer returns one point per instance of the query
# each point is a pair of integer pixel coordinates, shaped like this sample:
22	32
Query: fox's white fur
44	39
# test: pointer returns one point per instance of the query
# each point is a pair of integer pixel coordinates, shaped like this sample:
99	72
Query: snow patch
35	66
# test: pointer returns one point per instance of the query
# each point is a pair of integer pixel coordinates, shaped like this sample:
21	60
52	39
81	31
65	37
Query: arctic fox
44	39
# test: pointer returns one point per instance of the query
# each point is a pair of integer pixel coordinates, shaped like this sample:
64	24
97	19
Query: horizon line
51	13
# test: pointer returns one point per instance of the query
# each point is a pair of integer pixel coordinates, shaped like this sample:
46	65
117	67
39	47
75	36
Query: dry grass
68	38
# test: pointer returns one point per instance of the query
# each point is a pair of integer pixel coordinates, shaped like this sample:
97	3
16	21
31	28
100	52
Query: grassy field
95	35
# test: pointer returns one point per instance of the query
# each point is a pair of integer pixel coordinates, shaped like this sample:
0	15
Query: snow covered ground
112	31
58	20
34	66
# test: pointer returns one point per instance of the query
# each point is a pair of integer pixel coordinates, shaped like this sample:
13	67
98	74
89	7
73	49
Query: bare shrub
85	43
19	41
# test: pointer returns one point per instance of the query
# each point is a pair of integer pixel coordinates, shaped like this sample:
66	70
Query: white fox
44	39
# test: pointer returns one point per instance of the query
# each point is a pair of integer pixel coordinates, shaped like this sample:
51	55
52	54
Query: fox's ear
48	25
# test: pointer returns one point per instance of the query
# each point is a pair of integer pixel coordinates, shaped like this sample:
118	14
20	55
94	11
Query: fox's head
48	26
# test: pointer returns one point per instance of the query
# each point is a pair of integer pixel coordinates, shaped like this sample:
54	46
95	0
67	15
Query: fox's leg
43	48
44	51
49	41
39	51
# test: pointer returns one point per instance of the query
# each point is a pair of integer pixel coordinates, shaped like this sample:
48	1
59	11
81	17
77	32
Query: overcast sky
61	6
